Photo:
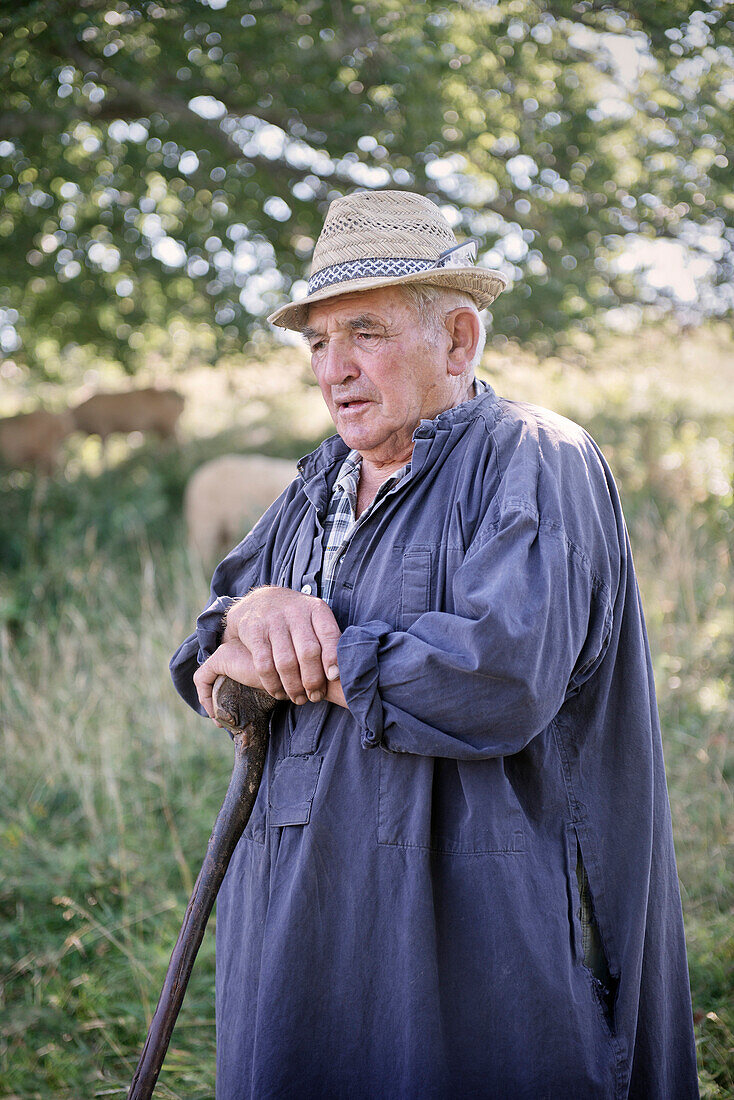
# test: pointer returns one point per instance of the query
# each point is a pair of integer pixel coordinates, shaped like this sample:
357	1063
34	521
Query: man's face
380	369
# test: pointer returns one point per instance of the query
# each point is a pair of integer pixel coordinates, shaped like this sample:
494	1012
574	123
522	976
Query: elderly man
458	879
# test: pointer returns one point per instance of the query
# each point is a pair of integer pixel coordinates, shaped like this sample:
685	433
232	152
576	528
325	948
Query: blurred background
164	171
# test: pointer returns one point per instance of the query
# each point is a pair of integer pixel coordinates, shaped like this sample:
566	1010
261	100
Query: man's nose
339	362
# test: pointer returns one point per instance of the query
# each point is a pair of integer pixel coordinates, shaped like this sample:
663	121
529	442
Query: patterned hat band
391	267
374	239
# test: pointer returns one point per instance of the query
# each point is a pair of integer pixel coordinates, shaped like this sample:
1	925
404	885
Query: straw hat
388	238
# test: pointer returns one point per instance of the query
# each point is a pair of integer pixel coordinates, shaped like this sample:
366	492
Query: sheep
33	439
226	495
148	410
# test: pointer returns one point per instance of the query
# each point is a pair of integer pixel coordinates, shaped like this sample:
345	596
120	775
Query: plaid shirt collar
348	480
348	477
341	518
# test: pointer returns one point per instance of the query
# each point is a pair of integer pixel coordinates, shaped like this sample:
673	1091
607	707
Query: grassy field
111	784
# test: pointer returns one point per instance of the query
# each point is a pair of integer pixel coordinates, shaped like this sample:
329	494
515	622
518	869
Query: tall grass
111	787
111	784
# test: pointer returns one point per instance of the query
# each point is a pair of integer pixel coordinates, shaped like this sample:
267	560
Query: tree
177	160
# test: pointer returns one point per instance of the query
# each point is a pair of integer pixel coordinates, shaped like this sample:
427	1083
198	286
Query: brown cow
33	439
149	410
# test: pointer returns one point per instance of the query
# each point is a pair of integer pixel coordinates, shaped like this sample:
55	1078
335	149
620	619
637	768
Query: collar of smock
334	450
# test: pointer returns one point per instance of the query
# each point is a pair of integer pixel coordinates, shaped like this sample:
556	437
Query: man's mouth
351	403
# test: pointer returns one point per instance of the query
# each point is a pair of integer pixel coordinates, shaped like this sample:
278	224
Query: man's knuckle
311	651
313	683
252	631
288	663
263	661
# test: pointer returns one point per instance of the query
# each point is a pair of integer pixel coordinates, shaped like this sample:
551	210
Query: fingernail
279	695
333	673
300	700
315	696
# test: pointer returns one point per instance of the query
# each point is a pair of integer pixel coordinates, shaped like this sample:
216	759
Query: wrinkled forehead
381	307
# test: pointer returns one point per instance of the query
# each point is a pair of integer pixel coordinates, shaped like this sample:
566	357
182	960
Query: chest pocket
416	584
296	775
292	790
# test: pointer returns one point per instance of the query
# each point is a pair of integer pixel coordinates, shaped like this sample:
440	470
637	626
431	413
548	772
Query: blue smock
401	916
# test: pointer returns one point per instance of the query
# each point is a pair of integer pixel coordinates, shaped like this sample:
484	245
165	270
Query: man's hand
234	660
291	639
230	659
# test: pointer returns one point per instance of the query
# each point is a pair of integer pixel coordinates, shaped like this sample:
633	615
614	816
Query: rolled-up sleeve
195	649
531	622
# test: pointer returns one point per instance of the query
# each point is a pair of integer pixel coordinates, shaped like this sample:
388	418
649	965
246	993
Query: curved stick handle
246	714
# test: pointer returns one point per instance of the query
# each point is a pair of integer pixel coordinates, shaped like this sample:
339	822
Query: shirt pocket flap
415	593
292	790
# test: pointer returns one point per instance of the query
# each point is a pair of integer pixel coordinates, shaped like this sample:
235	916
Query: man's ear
462	325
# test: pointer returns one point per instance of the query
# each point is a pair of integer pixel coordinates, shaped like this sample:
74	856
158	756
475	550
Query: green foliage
123	208
111	784
102	841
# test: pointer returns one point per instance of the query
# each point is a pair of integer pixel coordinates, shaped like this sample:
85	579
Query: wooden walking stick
246	714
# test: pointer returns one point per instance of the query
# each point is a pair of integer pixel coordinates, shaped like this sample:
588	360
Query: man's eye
367	336
317	346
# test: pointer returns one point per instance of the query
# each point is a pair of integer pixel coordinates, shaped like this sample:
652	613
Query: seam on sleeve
519	506
526	508
580	672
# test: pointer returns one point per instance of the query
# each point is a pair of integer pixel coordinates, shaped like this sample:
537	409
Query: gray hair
432	303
